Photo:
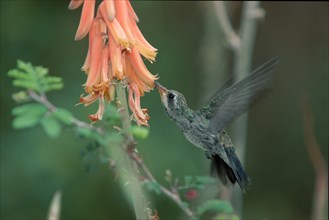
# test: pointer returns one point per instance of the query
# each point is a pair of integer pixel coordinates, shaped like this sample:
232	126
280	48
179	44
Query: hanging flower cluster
114	54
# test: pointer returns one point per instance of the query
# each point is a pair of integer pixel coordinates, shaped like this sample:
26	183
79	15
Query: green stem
130	166
138	197
126	122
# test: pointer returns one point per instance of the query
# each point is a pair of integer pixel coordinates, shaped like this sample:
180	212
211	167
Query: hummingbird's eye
171	96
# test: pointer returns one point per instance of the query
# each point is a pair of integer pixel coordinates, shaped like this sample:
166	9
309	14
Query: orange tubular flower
114	54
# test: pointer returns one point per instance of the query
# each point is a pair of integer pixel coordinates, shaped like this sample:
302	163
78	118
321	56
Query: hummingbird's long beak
162	90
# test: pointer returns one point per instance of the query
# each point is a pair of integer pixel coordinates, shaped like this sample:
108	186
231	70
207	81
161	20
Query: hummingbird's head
173	102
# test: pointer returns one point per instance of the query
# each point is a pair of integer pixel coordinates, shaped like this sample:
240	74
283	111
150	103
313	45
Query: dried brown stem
317	160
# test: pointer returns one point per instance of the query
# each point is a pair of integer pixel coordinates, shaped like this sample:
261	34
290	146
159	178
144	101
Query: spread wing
232	99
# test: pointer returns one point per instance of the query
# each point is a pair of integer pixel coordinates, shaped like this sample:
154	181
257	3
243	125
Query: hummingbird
204	127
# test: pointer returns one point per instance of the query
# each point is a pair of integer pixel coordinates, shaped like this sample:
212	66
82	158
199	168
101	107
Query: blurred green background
33	166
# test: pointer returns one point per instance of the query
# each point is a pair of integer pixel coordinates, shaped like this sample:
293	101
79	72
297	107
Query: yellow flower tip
97	88
89	89
153	84
124	43
86	70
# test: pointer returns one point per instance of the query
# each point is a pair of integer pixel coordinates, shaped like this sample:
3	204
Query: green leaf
28	115
188	180
140	132
51	126
90	134
226	217
26	84
41	71
52	83
24	121
152	186
215	205
53	79
64	116
27	67
32	109
204	180
54	86
29	77
201	181
15	73
85	132
20	96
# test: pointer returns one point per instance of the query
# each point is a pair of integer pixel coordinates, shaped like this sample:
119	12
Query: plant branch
42	99
129	148
171	194
231	37
139	203
126	122
243	59
251	13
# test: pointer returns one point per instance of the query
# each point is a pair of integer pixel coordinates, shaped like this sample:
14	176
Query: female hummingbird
204	128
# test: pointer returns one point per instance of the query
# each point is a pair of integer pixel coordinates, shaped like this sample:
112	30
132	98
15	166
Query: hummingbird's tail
234	172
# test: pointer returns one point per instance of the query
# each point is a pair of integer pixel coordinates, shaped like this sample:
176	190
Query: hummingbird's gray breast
198	133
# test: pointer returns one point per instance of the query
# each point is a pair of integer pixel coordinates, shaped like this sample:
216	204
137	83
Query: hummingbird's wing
233	99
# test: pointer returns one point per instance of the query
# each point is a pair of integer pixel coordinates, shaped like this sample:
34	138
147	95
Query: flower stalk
130	166
138	195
